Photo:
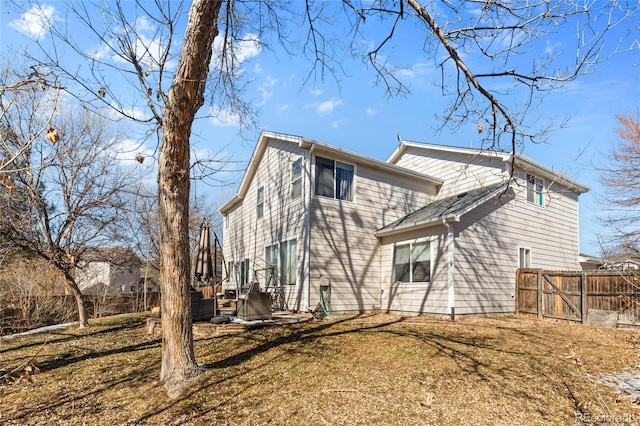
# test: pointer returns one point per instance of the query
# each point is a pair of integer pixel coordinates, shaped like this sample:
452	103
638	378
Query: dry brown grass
369	369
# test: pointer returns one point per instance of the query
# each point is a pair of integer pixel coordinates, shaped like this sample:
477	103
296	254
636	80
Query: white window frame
535	190
526	251
260	202
411	245
296	179
336	165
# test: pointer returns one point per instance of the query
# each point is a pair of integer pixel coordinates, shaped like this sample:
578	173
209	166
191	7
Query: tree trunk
185	97
83	321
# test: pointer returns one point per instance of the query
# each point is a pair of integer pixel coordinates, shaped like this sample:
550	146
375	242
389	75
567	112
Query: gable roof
525	163
317	148
444	210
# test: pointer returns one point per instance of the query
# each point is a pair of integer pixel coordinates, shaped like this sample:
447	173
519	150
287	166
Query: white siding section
342	243
405	298
460	172
247	236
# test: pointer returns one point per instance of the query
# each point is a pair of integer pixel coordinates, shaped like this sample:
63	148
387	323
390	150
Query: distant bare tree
68	189
621	180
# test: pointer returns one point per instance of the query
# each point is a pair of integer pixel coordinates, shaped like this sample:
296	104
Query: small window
524	260
412	263
334	179
535	188
296	179
260	204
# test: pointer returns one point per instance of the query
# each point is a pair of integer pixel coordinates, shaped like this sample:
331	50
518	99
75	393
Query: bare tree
68	188
621	180
172	87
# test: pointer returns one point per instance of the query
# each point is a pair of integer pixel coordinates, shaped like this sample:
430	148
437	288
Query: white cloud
223	117
416	70
326	107
315	92
282	107
264	89
35	21
244	49
371	111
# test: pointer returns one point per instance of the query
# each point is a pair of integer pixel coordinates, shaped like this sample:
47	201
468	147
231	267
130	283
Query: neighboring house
430	230
590	263
108	270
622	262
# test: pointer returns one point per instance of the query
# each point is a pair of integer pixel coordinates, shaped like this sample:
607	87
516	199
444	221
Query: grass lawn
374	369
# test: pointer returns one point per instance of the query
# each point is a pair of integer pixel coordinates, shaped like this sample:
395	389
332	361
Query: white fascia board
399	151
252	167
351	157
413	228
529	165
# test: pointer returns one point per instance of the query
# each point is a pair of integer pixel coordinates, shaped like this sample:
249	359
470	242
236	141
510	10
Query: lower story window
281	263
525	258
412	263
244	274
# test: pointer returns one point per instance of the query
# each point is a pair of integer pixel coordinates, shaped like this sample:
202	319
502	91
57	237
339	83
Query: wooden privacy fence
603	297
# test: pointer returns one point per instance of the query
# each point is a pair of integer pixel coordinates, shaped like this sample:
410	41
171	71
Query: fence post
539	294
583	298
517	291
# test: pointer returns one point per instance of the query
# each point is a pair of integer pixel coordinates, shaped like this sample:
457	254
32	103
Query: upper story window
535	187
260	204
334	179
296	179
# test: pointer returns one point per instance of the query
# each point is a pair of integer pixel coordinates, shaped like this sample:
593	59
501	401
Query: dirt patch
367	369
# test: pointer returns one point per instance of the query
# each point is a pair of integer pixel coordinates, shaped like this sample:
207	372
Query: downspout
307	227
450	269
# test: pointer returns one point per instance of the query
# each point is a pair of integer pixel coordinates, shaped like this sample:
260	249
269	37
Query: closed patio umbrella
204	265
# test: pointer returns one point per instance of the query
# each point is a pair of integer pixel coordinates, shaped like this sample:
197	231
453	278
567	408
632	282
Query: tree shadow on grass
60	336
468	352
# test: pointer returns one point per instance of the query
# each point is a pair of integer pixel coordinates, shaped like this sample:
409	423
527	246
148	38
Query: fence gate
552	294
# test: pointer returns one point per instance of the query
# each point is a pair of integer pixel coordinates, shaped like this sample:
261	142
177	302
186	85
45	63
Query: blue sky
356	115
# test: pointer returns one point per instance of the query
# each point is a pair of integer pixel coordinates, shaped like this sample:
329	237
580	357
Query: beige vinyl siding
342	243
460	172
283	220
489	237
413	298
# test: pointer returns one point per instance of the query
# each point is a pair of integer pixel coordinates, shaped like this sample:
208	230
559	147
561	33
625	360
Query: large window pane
344	182
324	177
292	266
421	262
402	263
271	265
296	179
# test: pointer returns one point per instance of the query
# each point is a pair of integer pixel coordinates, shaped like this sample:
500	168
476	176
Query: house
432	230
622	262
107	270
